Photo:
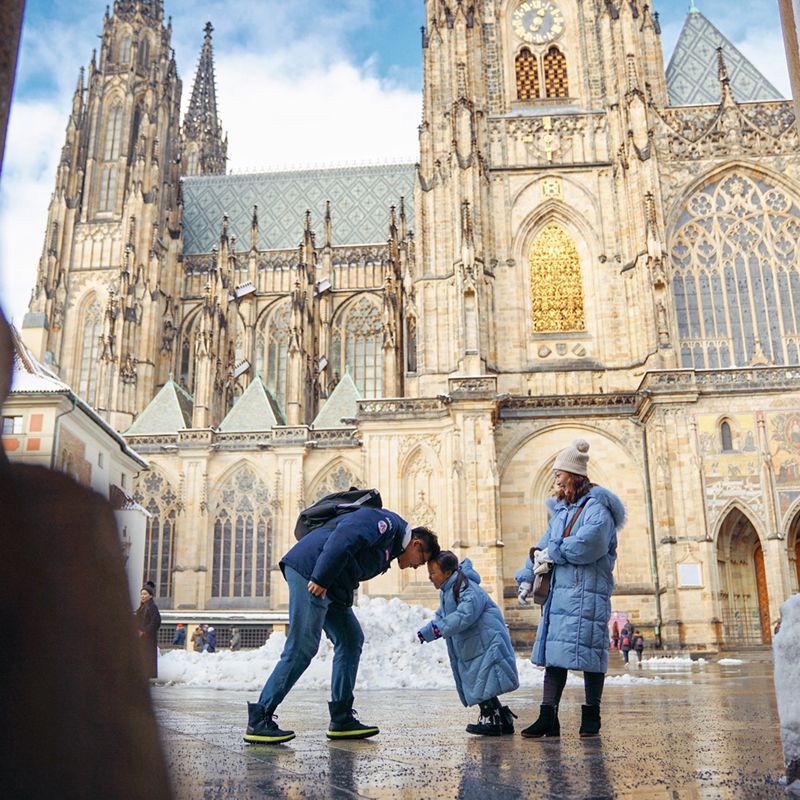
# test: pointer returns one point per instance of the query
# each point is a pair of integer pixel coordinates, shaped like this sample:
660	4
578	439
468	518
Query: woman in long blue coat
580	549
481	655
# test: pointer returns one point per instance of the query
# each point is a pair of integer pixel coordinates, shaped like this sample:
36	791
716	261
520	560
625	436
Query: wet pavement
704	732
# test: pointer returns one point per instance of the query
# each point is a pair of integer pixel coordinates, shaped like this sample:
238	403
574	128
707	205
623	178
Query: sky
300	83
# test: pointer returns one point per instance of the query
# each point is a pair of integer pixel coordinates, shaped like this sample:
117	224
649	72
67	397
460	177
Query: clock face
537	21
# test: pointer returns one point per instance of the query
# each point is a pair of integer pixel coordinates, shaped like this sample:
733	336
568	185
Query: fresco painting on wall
784	438
730	461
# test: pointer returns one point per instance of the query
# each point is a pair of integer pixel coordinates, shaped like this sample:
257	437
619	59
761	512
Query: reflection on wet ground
708	732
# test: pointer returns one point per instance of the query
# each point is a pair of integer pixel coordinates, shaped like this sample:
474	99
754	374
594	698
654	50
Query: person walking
198	639
615	636
236	639
638	645
211	641
323	570
478	644
626	644
179	639
580	547
148	620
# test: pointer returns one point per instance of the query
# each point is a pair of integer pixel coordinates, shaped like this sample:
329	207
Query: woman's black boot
546	725
489	723
590	720
507	717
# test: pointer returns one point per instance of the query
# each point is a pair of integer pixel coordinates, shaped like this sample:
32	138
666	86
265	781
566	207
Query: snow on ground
729	662
671	662
786	657
392	658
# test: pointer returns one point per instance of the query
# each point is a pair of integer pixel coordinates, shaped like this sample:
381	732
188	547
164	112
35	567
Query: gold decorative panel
555	74
556	285
527	75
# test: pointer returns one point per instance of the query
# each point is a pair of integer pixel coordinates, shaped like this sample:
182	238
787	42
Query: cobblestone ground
710	732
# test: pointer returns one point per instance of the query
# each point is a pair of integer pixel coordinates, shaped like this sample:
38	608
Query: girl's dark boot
590	720
546	725
489	723
507	717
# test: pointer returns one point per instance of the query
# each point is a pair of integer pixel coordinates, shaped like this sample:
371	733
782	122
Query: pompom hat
574	458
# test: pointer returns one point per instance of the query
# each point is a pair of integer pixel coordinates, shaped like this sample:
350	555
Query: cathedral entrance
794	550
743	583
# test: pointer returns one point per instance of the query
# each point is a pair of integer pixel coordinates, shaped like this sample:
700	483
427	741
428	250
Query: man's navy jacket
349	549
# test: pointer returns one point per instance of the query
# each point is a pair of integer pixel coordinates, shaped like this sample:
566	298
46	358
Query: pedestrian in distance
478	644
615	636
236	639
580	545
638	645
626	644
323	571
211	641
148	620
198	639
179	640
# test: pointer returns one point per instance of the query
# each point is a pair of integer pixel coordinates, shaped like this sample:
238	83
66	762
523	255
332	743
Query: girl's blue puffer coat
573	633
478	643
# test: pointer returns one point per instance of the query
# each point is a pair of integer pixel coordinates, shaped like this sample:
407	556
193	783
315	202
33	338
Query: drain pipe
54	454
653	558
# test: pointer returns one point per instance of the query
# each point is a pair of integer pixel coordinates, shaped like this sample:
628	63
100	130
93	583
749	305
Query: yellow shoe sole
253	739
364	733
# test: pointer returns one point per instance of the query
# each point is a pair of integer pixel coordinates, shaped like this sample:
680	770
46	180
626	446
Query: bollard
786	658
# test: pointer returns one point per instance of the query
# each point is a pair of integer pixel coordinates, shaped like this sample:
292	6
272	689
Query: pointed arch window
242	538
108	188
144	52
411	344
735	278
727	438
527	75
92	326
356	344
191	162
556	282
155	493
113	132
124	52
555	73
273	351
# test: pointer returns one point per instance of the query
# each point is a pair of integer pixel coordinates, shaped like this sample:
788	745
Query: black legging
555	678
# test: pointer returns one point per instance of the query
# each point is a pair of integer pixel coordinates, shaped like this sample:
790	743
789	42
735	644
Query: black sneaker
488	724
348	727
262	728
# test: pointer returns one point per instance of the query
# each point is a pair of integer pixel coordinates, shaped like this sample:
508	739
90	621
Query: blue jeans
308	617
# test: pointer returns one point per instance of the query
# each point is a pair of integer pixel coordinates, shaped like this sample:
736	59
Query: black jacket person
323	571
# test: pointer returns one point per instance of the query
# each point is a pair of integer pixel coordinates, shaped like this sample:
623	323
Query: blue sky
299	82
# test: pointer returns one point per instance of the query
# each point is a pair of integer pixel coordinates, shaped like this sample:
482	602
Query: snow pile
392	658
786	656
729	662
672	662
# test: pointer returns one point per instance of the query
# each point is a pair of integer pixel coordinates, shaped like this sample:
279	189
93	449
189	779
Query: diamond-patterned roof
361	198
169	411
255	410
341	403
692	74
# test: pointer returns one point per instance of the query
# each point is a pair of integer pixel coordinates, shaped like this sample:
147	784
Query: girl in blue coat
580	547
478	643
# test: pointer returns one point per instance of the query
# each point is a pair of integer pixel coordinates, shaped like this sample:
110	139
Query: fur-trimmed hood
612	503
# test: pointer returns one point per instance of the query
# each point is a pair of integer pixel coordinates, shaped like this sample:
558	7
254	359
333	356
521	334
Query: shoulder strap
572	521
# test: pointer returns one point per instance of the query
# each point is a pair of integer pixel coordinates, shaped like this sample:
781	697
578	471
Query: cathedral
590	245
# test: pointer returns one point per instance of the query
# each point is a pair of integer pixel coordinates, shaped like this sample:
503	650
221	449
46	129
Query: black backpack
334	505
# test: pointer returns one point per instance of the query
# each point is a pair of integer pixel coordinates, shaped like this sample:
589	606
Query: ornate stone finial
693	9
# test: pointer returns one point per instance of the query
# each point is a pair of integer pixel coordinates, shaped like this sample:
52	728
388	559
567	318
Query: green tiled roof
692	74
169	411
361	198
341	403
255	410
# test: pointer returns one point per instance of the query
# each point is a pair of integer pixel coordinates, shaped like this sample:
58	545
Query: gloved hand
542	562
525	588
421	637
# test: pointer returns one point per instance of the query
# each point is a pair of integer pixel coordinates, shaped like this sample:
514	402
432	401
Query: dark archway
743	582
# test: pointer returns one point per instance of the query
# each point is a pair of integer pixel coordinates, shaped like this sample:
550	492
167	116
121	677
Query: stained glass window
92	326
155	493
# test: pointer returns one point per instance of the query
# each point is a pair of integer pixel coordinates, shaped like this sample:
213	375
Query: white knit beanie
574	459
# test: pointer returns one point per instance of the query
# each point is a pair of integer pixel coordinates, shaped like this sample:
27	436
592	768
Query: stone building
592	258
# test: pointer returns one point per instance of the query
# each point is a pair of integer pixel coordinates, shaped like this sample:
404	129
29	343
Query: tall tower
204	150
537	186
103	309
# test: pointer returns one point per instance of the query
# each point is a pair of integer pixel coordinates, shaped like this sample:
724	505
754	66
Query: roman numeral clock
537	21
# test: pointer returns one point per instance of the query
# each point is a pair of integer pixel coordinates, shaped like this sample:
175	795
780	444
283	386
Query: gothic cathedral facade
590	260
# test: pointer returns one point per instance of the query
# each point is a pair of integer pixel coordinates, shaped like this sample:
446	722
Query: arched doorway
743	583
794	550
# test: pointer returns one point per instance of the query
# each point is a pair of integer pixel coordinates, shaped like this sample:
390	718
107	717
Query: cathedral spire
205	150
